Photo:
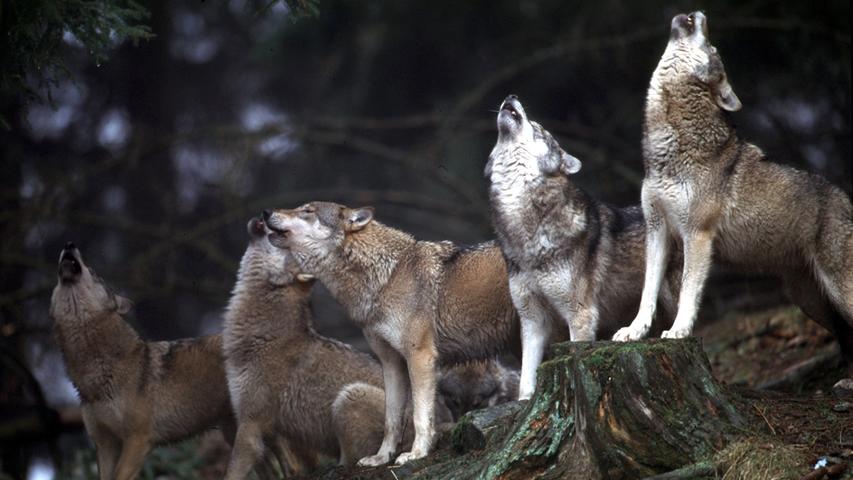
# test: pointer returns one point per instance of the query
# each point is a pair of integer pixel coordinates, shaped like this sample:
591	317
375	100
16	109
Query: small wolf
418	303
134	394
567	254
712	191
283	376
477	384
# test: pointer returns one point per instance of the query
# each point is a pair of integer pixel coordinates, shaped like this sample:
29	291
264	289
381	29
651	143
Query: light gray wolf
568	255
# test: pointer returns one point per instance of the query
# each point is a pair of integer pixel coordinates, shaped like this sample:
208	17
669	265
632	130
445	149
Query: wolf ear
123	305
569	164
304	277
725	97
358	218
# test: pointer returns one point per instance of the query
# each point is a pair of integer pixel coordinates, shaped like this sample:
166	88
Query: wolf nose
511	97
69	246
266	214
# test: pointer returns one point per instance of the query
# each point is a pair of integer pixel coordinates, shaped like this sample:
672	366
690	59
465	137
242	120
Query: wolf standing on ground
134	394
715	193
418	303
566	252
283	376
286	380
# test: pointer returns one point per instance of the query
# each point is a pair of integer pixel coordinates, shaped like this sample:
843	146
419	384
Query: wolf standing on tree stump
718	196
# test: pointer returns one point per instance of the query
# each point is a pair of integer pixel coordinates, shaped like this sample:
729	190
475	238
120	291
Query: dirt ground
794	362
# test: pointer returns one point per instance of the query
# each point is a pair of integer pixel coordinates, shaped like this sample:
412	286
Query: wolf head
478	384
315	229
79	292
690	65
523	140
262	262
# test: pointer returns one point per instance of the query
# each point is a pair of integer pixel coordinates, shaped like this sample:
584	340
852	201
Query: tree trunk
601	410
611	410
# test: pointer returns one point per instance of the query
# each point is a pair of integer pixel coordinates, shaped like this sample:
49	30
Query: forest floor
779	365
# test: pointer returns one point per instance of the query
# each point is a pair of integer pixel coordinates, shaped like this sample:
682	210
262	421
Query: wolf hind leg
808	295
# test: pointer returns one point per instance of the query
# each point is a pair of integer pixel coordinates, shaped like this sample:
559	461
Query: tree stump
613	410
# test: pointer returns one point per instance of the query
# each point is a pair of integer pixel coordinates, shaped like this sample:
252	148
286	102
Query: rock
843	388
841	407
473	429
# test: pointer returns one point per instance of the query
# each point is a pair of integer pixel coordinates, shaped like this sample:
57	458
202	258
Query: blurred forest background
152	154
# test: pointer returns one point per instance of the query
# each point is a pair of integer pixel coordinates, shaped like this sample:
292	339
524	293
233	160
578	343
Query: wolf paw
676	333
627	334
375	460
409	456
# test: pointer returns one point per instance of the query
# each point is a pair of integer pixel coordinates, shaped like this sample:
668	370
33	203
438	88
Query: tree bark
612	410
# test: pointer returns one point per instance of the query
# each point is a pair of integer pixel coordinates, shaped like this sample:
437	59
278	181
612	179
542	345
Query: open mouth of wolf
684	25
511	111
69	267
277	233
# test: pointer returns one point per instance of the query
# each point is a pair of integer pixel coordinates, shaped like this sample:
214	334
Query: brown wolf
283	376
418	303
477	384
134	394
717	194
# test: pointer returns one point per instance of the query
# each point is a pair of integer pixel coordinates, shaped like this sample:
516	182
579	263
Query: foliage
178	462
34	31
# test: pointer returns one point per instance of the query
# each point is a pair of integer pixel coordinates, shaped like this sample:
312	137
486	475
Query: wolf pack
437	315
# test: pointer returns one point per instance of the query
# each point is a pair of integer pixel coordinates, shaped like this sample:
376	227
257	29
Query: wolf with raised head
134	394
569	256
286	380
718	196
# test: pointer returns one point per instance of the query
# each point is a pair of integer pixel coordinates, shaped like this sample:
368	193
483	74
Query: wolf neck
527	204
683	128
261	310
358	271
92	346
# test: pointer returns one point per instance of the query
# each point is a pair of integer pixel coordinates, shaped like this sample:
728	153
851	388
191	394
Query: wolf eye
308	209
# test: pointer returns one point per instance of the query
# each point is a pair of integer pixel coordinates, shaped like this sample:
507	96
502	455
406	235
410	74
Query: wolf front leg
657	255
423	376
698	246
396	393
133	453
535	332
248	448
107	446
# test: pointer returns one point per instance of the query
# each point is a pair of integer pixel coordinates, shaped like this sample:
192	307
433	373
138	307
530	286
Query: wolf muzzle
69	265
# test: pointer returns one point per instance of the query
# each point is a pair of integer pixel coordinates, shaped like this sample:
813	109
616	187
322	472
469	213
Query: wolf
284	378
477	384
418	303
718	196
134	394
568	255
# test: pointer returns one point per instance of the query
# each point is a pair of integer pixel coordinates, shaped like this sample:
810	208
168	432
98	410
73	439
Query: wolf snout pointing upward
718	196
568	255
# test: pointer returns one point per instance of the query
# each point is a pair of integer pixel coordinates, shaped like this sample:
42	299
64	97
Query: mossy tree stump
614	410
